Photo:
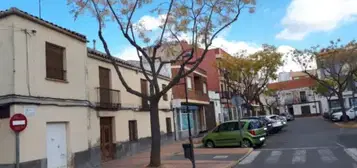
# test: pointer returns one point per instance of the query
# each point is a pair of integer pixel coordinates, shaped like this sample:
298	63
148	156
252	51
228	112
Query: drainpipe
13	55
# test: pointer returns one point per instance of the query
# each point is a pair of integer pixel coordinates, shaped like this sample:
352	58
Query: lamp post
191	152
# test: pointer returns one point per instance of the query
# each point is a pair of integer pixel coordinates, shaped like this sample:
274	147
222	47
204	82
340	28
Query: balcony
226	95
108	99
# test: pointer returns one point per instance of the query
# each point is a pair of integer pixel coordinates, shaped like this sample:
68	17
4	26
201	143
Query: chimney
94	44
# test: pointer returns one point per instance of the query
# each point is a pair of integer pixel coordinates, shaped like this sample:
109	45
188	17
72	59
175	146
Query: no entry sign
18	122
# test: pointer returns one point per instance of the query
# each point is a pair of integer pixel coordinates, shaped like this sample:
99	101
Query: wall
179	90
33	139
215	98
7	141
75	54
209	64
313	110
6	56
132	78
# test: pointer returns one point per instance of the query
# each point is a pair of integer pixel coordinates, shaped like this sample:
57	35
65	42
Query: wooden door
210	116
305	110
168	125
144	90
104	85
106	138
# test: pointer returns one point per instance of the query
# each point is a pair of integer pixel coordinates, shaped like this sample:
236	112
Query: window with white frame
189	82
204	88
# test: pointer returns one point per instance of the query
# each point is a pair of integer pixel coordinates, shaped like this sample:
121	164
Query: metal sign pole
17	149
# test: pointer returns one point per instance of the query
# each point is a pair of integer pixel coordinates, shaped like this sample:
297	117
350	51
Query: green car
227	134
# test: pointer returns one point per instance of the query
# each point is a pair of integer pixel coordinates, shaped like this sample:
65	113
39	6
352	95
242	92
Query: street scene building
79	113
296	96
177	84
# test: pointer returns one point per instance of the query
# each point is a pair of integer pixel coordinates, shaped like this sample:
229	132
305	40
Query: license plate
261	139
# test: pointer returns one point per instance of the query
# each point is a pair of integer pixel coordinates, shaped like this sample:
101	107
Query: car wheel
347	117
209	144
259	145
246	143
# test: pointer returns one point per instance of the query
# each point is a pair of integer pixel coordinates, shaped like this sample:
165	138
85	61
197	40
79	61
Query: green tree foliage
251	73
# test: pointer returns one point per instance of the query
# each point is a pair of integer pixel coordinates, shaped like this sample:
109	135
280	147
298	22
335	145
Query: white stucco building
79	113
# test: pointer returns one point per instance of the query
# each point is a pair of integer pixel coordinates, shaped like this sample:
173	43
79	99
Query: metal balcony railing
226	95
108	99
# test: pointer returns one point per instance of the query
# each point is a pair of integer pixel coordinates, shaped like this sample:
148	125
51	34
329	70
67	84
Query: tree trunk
155	157
342	104
270	112
261	107
253	111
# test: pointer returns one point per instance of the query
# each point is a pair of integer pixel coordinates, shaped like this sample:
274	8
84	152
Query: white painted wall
75	56
215	98
6	56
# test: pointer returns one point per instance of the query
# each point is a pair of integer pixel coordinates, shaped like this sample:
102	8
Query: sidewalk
172	157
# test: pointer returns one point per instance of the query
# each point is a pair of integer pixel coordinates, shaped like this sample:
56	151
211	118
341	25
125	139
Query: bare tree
199	20
336	65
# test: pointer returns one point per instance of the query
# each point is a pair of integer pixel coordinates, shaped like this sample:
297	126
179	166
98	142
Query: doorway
106	138
305	110
56	145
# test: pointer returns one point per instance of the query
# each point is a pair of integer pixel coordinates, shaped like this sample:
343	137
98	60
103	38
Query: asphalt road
306	143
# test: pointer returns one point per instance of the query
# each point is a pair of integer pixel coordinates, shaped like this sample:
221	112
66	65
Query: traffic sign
18	122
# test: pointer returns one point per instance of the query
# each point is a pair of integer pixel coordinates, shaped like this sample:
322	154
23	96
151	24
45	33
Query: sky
287	24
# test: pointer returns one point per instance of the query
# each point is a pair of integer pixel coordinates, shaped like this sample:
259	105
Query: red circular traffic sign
18	122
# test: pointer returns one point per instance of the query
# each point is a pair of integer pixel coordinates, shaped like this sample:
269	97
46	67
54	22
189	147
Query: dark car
264	121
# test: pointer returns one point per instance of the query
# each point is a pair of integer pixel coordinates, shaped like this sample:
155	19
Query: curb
239	160
345	126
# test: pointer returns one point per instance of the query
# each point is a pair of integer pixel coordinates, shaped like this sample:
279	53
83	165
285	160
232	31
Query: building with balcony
78	112
197	102
297	97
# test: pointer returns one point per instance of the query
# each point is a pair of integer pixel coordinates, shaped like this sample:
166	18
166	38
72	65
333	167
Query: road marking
274	157
299	156
326	155
220	157
250	158
342	146
352	152
302	148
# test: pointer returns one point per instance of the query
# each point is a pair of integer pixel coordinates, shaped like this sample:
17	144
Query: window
189	82
303	96
133	130
204	88
55	62
164	97
254	125
231	126
4	112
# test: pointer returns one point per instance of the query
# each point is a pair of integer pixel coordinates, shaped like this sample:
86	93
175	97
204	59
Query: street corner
351	124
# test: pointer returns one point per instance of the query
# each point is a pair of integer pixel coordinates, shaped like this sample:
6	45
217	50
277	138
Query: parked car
351	114
228	134
268	124
277	123
288	116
